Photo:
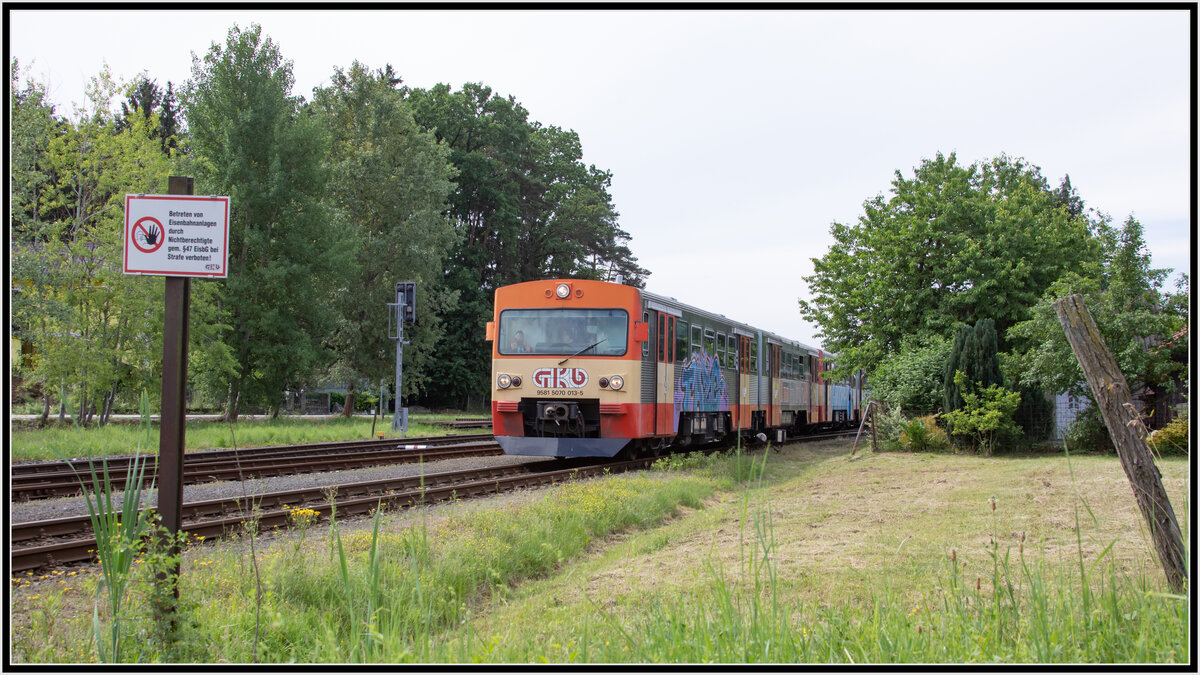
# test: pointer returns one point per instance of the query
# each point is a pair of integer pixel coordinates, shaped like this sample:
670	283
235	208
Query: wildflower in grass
302	518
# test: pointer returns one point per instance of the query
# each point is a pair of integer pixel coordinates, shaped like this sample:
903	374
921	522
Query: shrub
889	425
1035	414
1173	438
912	379
923	434
914	436
1088	433
986	416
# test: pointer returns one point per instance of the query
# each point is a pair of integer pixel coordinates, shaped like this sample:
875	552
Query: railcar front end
566	368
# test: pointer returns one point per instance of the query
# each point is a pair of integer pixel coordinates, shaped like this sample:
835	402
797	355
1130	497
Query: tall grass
120	535
474	584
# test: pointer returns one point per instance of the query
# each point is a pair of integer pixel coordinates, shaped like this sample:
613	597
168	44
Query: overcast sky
736	137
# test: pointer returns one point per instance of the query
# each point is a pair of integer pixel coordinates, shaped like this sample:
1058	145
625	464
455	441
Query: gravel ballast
63	507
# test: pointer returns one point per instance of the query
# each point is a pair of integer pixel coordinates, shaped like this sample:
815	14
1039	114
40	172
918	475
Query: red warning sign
147	234
176	235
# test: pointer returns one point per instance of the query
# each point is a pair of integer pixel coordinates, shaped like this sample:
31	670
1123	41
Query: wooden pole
874	425
1112	396
172	422
863	423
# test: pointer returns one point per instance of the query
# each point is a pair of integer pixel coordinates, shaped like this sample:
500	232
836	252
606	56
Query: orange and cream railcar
591	368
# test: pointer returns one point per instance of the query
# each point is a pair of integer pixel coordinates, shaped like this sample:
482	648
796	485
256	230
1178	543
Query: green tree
1134	314
35	308
147	99
287	250
953	244
89	322
1068	197
975	354
525	207
389	181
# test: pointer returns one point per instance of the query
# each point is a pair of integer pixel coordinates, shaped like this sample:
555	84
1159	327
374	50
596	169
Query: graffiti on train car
701	387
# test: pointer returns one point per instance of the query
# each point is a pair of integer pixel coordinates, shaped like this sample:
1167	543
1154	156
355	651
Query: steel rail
283	460
81	464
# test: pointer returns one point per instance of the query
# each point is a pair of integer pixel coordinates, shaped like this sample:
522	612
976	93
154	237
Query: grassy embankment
115	439
884	558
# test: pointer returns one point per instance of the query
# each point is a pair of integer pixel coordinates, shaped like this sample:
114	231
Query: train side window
681	341
720	355
646	344
662	337
710	343
670	341
697	337
753	356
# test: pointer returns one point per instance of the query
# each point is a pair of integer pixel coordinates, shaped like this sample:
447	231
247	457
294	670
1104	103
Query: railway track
61	541
42	480
467	423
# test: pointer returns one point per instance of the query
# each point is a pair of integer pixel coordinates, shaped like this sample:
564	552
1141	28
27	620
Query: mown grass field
810	556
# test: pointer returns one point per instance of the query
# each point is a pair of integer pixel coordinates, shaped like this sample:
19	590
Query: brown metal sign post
174	398
178	236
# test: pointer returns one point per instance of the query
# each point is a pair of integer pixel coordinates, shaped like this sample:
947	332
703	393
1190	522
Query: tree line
334	199
943	293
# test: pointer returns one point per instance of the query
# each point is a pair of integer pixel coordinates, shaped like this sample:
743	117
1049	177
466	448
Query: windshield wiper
594	344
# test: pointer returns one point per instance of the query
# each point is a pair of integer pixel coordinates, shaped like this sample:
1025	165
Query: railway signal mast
401	312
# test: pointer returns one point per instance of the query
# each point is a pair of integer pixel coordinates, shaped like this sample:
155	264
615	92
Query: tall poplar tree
389	183
286	250
525	206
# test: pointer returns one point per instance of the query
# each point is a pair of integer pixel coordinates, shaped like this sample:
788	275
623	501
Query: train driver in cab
517	344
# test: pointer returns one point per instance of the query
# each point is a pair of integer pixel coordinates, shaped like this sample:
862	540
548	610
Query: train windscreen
603	332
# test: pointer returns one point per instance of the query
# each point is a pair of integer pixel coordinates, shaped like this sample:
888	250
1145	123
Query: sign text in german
177	235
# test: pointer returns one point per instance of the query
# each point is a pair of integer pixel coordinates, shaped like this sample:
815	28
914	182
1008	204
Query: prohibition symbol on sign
148	234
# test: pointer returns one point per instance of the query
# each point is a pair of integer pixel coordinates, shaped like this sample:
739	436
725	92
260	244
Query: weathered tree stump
1114	400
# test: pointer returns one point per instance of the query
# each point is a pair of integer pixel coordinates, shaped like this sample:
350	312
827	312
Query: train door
744	379
664	341
816	400
774	359
649	371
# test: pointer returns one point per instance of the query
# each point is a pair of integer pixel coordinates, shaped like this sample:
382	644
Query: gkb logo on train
560	381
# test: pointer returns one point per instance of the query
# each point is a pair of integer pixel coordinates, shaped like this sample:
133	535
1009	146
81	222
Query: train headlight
562	291
616	382
504	381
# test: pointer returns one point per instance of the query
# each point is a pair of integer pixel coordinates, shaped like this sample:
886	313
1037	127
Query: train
585	368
